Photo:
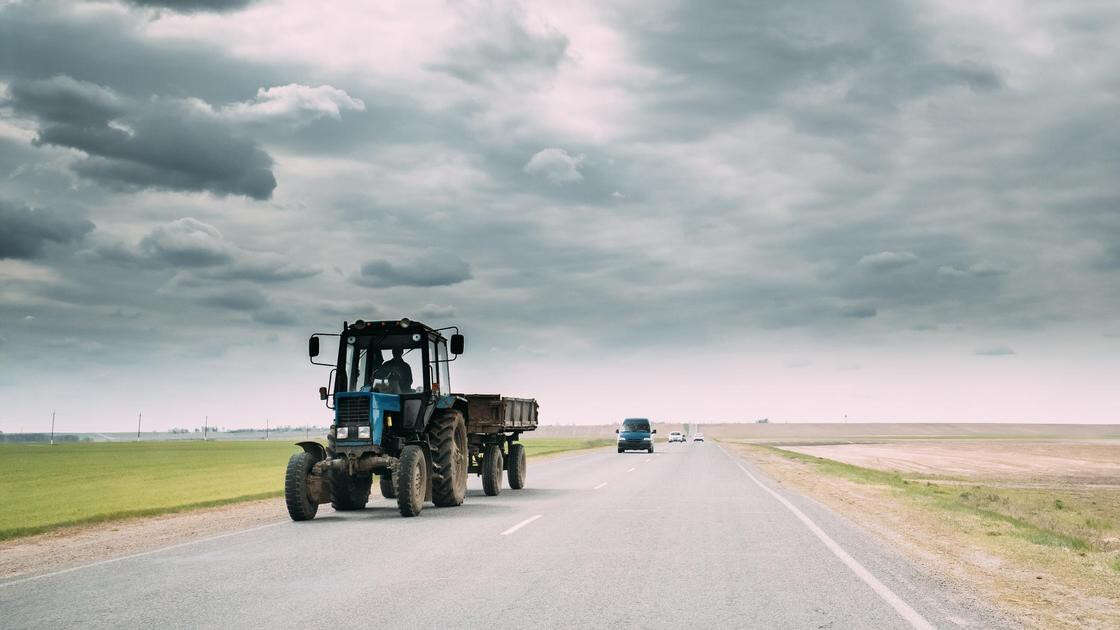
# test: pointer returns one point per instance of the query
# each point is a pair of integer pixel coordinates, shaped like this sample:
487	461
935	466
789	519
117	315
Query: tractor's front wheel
492	470
516	472
349	493
447	433
296	492
412	480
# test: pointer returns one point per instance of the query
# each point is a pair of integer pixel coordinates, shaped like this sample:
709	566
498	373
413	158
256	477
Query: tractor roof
406	325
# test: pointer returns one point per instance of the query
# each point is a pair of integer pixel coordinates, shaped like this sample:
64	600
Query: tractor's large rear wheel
347	492
516	466
412	480
492	470
447	433
296	492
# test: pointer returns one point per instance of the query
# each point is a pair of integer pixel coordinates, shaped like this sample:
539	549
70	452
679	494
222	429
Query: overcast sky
884	210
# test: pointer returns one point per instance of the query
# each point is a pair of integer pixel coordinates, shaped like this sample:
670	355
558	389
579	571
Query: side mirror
616	430
313	347
322	393
456	344
653	431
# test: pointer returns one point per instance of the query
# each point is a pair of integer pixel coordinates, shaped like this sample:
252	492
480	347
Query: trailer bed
494	413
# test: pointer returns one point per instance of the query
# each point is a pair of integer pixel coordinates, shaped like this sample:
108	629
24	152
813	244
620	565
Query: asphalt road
689	535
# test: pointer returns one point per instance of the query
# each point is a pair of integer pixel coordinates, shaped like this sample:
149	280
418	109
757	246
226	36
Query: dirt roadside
1038	586
75	546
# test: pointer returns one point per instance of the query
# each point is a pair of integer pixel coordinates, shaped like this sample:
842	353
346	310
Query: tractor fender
315	448
457	403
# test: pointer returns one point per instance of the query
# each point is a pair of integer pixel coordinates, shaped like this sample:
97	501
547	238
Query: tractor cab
388	379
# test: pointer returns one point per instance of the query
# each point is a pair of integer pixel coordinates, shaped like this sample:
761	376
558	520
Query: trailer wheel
516	472
447	433
349	493
388	489
492	470
412	480
300	505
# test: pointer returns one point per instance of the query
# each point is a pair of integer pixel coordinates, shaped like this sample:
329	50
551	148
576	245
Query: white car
676	436
699	437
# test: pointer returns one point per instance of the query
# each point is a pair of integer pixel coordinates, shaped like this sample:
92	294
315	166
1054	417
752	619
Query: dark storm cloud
437	271
24	232
157	143
199	247
193	6
44	39
63	100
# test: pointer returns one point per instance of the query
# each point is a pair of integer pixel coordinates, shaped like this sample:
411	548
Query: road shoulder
1033	591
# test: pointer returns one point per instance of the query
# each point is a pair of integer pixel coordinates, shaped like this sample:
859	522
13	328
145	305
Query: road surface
688	536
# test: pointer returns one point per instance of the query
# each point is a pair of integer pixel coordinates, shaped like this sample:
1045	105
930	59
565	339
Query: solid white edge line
882	590
599	486
136	555
521	524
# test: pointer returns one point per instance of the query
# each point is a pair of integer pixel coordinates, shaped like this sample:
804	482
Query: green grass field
45	487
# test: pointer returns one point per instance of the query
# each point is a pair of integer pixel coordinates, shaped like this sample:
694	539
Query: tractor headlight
343	433
363	433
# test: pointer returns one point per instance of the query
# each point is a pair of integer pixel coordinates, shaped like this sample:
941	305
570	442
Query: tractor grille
352	409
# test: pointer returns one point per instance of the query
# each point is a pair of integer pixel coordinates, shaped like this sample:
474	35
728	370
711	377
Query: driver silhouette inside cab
397	372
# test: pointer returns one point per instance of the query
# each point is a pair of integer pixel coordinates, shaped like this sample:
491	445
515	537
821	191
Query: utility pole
266	429
138	417
52	427
204	423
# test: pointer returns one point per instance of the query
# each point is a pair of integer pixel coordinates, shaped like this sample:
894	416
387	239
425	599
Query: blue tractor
396	417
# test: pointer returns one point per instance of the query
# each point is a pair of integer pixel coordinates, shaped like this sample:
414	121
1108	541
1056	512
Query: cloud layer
890	187
167	144
25	232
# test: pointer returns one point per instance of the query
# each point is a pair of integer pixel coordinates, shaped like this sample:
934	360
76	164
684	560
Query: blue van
635	435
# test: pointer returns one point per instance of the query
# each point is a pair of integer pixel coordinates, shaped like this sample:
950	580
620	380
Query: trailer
494	423
396	418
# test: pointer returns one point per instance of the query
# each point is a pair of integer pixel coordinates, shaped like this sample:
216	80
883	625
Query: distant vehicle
635	434
676	436
699	437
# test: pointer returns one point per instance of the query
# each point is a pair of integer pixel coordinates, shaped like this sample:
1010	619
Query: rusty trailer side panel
493	413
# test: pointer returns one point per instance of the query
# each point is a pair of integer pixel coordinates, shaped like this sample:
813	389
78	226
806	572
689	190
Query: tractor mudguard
315	448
